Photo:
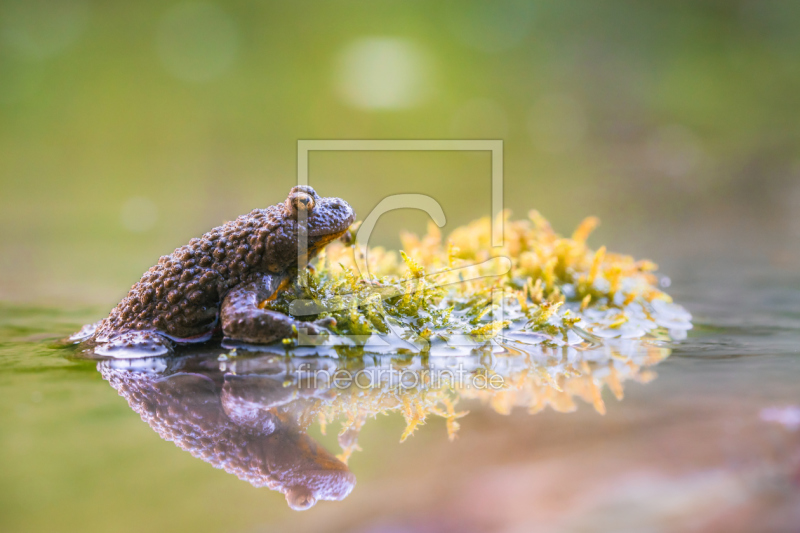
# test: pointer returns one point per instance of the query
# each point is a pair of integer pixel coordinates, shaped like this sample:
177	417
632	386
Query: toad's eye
303	202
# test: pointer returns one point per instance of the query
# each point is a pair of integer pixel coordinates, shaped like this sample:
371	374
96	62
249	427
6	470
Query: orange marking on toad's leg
285	282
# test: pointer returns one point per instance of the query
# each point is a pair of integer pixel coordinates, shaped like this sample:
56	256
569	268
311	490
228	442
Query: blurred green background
128	128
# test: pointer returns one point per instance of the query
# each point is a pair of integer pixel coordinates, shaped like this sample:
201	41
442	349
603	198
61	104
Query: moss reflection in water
249	415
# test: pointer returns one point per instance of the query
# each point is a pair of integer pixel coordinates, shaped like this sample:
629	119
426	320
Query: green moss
438	290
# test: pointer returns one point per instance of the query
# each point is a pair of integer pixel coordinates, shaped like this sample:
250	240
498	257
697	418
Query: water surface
705	439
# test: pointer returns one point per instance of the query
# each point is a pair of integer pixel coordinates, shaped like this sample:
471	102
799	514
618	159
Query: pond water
698	435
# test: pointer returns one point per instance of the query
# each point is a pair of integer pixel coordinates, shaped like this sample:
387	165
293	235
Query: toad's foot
86	333
133	344
244	321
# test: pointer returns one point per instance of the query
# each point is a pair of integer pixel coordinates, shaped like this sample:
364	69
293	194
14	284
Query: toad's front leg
244	321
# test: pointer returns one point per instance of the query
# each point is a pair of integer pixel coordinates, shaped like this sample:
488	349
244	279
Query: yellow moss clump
554	319
537	281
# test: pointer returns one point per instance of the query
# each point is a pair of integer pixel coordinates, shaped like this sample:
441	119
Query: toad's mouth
321	241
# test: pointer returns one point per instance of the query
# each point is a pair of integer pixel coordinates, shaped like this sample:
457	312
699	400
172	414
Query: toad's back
225	273
181	294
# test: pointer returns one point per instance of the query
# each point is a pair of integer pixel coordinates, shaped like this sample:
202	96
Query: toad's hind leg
244	321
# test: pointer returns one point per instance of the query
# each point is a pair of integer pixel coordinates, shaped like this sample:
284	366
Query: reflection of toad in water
248	427
249	415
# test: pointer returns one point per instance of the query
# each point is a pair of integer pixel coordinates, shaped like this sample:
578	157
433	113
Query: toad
219	281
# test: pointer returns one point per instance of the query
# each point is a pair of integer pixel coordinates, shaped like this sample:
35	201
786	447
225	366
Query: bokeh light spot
197	41
383	73
38	29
